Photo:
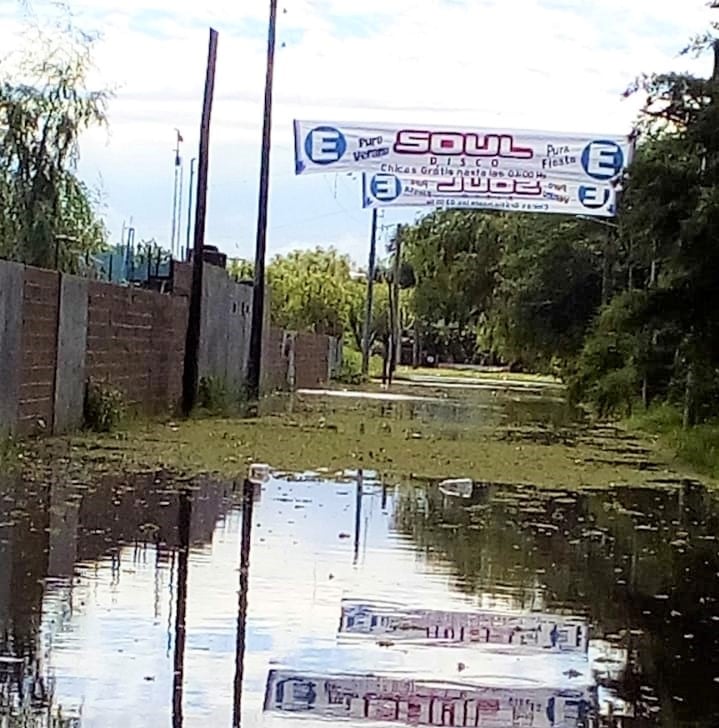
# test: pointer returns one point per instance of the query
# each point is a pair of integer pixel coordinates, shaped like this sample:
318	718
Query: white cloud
550	64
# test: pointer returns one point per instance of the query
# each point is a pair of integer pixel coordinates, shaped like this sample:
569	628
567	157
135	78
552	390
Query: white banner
413	702
426	151
551	194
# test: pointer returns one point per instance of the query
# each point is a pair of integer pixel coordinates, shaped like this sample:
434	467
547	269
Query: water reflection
374	602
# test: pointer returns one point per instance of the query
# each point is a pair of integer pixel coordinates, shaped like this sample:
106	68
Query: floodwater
462	401
368	604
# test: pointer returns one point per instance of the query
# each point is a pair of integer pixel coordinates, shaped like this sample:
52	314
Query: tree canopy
49	214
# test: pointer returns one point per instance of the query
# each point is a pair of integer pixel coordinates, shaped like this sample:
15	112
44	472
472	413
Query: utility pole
366	335
258	292
192	343
189	207
179	211
397	330
178	162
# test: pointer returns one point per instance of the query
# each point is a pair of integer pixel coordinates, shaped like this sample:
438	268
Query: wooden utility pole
192	342
397	328
258	292
184	522
248	500
367	333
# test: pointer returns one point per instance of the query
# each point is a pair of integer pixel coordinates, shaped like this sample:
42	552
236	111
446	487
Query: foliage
9	454
105	407
241	269
49	214
213	396
351	372
312	290
627	311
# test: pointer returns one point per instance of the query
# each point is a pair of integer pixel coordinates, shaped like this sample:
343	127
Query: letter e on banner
385	187
602	160
325	145
592	197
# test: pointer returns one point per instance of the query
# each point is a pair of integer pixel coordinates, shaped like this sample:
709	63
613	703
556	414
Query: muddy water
369	603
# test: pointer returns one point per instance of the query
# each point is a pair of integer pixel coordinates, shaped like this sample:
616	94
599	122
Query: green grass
697	446
10	455
334	436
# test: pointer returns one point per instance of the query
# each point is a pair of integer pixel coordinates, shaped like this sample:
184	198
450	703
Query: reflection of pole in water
358	512
184	518
247	506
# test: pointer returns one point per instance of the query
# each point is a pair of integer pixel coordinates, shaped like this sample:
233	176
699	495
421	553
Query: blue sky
543	64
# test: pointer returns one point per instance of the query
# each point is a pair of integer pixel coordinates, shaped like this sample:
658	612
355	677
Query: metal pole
179	212
174	193
258	293
370	289
245	544
192	341
397	330
189	207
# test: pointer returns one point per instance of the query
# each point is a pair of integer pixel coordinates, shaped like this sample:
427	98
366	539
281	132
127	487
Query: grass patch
697	447
334	436
9	455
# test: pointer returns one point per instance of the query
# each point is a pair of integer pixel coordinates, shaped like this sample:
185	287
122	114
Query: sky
555	65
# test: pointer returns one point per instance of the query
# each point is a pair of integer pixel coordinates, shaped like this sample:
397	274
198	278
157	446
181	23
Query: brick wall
275	361
136	342
39	350
312	363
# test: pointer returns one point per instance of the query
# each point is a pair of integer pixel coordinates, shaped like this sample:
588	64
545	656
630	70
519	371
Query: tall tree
49	215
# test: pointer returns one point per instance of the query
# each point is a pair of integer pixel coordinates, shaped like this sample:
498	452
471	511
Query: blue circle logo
325	145
602	160
594	198
385	187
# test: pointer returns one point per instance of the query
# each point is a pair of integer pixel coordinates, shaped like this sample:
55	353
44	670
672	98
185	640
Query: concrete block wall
11	310
36	401
56	332
312	360
136	342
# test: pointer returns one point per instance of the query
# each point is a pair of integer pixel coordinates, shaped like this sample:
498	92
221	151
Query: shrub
105	407
351	371
213	396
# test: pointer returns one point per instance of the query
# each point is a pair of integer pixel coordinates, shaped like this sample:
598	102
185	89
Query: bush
105	407
9	454
213	396
351	371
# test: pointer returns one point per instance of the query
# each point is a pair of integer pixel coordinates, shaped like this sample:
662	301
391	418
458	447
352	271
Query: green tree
49	214
312	290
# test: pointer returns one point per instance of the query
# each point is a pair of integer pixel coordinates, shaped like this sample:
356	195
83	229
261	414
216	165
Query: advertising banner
545	632
542	194
419	151
413	702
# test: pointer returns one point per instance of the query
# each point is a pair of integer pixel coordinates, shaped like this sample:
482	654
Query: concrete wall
41	298
56	332
11	299
136	342
226	322
71	346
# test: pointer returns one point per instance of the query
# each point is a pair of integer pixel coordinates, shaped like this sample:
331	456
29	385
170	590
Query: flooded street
370	602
